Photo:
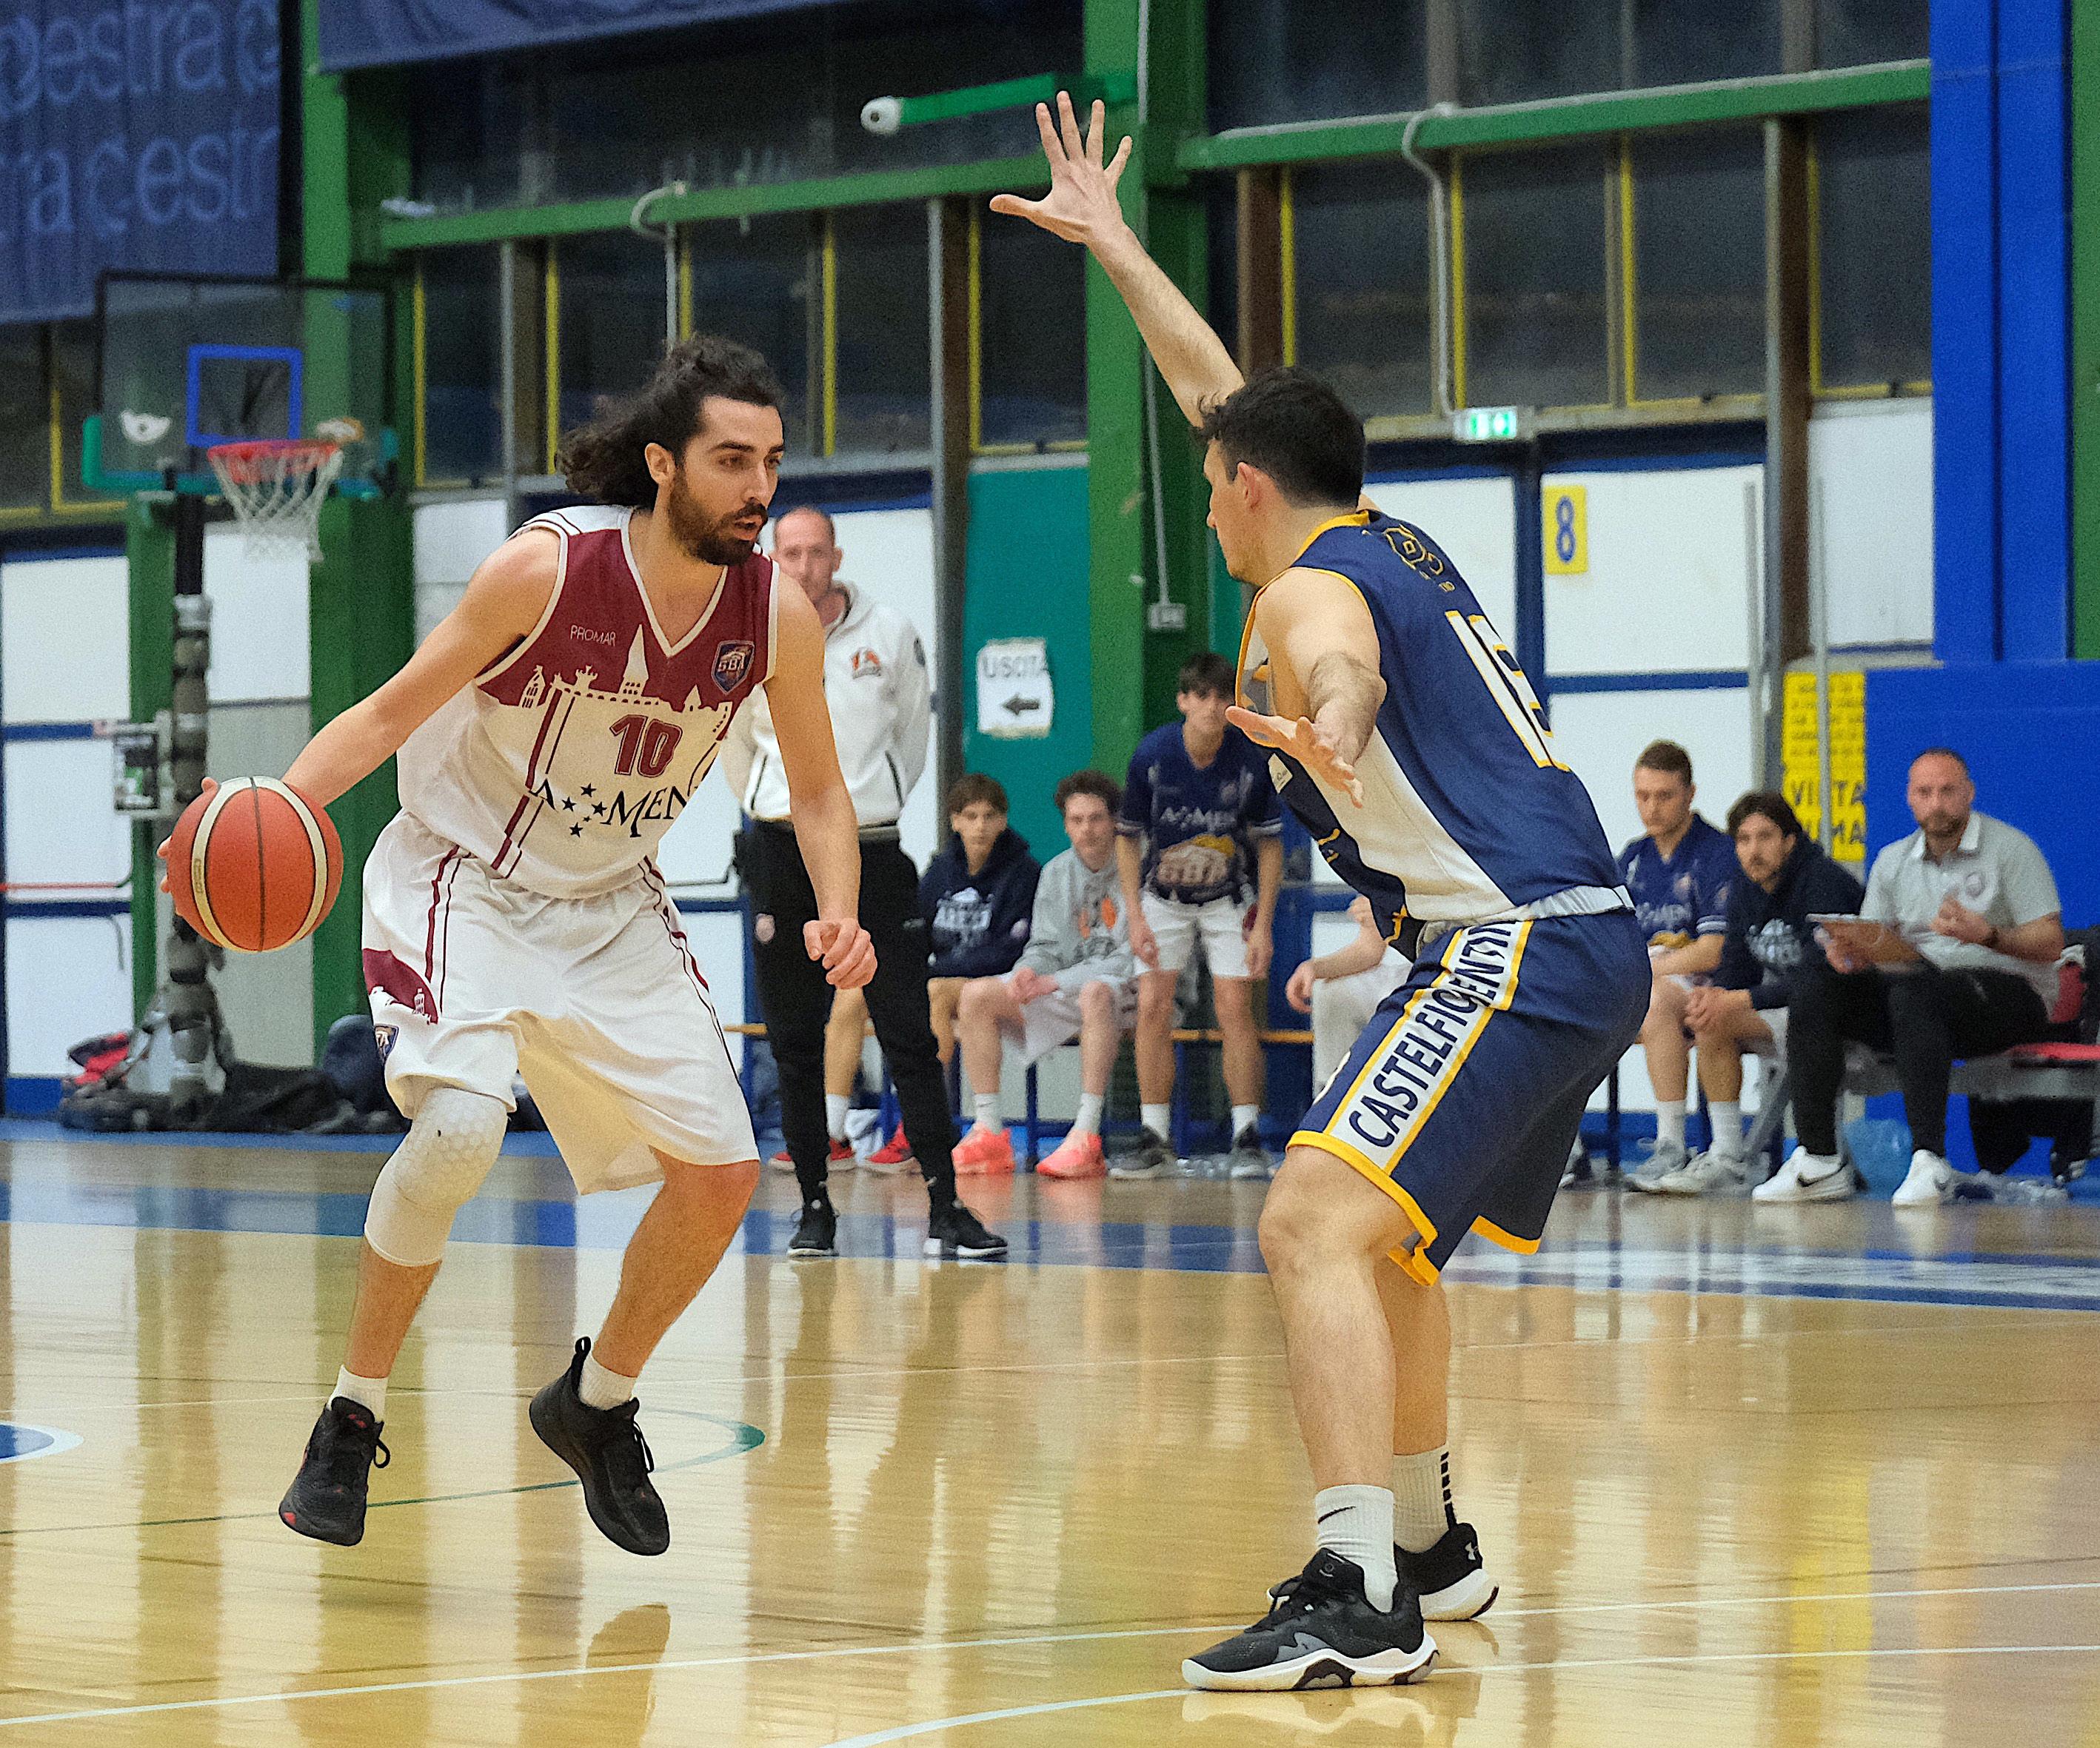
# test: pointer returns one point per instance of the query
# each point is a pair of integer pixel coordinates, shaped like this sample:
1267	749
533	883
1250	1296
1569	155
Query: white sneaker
1712	1173
1663	1158
1931	1180
1808	1177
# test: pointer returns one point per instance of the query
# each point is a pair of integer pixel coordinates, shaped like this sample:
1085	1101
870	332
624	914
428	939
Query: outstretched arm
502	604
826	829
1081	207
1316	628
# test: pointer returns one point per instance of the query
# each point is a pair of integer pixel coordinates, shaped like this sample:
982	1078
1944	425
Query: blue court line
2036	1282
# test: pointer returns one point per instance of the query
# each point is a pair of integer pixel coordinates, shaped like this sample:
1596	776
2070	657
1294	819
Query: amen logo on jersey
1400	1085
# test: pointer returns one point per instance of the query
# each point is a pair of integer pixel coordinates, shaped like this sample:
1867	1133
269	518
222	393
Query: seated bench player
1076	978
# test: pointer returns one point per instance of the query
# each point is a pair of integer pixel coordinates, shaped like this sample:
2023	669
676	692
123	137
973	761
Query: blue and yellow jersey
1468	815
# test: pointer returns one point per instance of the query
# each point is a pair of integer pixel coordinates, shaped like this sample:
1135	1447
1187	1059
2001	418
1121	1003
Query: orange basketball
254	867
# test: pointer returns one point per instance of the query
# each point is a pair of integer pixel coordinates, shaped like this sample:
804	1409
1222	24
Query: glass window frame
1818	387
52	451
978	445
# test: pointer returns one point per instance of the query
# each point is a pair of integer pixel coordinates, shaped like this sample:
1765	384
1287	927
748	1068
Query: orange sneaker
1078	1155
984	1152
840	1159
892	1156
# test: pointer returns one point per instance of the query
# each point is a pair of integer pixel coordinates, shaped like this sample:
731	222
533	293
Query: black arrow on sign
1017	705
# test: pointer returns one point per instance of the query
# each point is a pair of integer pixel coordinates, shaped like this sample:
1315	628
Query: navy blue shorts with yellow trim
1463	1096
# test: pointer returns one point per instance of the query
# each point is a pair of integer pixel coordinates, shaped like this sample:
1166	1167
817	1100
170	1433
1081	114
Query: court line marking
906	1732
753	1659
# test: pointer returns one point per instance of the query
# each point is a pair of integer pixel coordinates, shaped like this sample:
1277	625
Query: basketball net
277	488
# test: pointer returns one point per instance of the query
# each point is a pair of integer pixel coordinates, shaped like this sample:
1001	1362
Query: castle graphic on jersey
576	709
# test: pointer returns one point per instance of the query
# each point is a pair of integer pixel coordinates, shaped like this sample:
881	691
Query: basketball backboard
186	363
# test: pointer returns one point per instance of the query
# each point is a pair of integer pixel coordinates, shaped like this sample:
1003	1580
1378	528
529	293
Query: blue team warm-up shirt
1678	900
1200	825
1468	813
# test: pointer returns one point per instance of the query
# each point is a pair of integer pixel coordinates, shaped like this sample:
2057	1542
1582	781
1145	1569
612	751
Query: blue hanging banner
387	33
133	135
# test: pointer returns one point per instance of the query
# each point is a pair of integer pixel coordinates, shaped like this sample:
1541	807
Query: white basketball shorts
1221	925
1053	1020
595	1001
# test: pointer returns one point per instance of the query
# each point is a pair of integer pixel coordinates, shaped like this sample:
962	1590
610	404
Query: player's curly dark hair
1297	430
1772	804
604	458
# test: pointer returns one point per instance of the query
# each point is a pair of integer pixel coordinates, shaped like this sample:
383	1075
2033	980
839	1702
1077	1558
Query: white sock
1421	1499
1088	1121
835	1107
600	1388
371	1392
1669	1121
1356	1523
1728	1115
1244	1117
1157	1118
987	1110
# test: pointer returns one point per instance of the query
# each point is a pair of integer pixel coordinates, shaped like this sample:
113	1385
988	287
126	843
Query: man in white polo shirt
1962	963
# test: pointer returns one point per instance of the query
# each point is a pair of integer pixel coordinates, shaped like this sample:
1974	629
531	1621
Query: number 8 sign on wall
1567	530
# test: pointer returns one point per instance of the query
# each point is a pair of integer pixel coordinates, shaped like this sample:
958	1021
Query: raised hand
1081	206
1303	741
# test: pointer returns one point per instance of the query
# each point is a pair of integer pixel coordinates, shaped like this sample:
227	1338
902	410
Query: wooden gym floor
1748	1476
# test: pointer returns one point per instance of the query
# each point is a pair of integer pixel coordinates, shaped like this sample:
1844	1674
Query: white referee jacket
881	699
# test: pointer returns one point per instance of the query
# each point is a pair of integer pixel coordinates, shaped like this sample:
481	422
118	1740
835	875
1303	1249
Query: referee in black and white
880	695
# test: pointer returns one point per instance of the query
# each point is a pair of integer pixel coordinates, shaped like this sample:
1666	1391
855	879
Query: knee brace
433	1174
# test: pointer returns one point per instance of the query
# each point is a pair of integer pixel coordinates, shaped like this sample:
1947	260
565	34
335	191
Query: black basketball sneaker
326	1499
954	1234
611	1458
1320	1633
816	1233
1451	1578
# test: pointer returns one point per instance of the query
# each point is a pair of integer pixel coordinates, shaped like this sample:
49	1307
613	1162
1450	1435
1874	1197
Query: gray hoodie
1080	935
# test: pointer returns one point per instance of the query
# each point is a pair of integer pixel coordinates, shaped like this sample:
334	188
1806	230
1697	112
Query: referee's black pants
795	1001
1924	1017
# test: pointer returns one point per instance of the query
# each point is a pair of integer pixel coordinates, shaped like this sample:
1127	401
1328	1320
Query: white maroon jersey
563	764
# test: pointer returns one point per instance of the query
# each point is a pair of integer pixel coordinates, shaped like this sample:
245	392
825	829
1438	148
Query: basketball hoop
277	488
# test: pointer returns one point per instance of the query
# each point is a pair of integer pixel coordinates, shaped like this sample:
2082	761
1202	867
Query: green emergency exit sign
1486	425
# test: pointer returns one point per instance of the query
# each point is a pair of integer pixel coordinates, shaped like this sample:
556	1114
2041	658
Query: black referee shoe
326	1499
954	1234
611	1458
816	1233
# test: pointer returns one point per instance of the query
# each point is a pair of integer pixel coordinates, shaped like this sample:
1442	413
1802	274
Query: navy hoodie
980	921
1769	933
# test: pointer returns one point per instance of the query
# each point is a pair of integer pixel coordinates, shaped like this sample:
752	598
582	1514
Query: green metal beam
149	551
992	176
2085	331
1013	94
1115	447
1566	117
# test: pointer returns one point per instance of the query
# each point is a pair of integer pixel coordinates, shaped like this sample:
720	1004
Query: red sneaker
984	1152
1078	1155
841	1159
892	1156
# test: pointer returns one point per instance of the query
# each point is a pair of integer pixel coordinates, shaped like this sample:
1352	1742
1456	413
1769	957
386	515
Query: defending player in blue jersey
1409	742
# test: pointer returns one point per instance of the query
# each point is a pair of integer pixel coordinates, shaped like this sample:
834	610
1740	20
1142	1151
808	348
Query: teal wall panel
1027	576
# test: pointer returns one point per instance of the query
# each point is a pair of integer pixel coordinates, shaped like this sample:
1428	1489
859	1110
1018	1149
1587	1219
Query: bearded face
728	538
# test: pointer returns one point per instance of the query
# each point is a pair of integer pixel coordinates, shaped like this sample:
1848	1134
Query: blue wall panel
2028	729
2034	333
1965	328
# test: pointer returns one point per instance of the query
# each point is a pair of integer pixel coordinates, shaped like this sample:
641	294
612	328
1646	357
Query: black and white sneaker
1450	1579
1249	1159
1320	1633
1153	1158
816	1233
326	1499
611	1457
954	1234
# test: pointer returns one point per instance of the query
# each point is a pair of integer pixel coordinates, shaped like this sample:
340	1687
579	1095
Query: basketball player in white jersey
550	730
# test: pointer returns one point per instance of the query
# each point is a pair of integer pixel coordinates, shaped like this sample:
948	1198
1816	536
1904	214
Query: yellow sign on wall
1799	748
1567	530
